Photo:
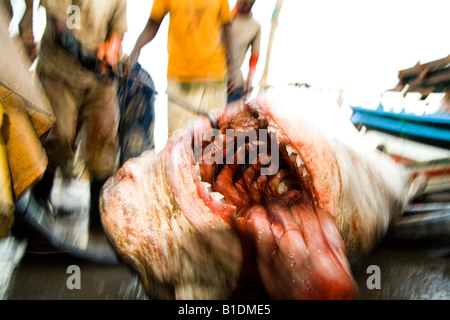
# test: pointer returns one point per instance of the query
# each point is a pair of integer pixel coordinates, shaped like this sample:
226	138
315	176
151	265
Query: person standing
246	32
200	62
80	46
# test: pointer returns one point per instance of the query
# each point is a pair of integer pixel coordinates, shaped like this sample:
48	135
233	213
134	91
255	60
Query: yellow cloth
202	96
25	115
196	51
6	195
26	156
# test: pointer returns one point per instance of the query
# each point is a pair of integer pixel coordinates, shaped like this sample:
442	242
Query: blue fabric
434	126
236	94
137	114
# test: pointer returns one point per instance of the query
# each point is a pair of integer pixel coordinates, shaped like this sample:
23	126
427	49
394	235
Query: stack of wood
427	78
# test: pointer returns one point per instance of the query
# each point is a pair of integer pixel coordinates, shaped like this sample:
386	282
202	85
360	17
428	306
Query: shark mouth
238	211
251	174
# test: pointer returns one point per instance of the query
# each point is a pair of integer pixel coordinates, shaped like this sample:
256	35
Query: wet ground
411	263
406	272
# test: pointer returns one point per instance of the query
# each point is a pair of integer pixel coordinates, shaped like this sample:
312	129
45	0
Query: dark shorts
236	94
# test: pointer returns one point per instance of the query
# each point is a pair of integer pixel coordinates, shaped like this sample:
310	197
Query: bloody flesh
294	220
300	253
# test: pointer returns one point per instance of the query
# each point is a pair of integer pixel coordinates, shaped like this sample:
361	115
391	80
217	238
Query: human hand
109	51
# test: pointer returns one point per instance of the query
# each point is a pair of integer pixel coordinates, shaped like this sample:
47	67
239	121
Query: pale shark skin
164	223
363	189
152	213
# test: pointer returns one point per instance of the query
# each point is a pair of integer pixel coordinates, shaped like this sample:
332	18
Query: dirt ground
406	273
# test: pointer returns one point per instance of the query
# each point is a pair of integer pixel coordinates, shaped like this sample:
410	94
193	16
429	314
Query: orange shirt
196	51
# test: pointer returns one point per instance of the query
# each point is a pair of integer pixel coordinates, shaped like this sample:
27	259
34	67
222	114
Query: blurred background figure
25	117
8	10
78	55
246	34
200	60
26	31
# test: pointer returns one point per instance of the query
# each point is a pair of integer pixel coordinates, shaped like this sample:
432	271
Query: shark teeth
217	196
282	188
305	173
272	128
291	150
206	184
299	161
197	169
258	143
